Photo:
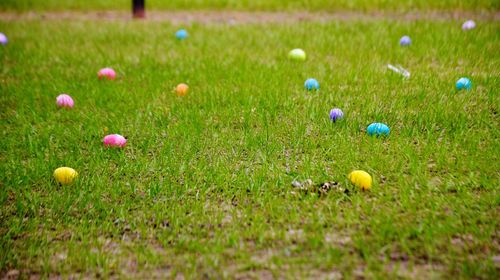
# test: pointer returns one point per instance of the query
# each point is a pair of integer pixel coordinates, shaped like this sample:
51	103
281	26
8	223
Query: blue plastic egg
405	41
464	83
378	129
181	34
311	84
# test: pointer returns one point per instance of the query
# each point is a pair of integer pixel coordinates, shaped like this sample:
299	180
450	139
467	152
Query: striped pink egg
65	101
114	140
107	73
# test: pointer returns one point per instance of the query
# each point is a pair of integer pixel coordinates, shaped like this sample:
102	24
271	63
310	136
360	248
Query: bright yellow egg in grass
65	175
361	179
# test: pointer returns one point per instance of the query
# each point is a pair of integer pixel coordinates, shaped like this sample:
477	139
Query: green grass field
203	188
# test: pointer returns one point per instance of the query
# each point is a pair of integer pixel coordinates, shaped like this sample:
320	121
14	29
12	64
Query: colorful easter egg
405	41
463	83
311	84
297	55
3	39
107	73
114	140
361	179
336	114
378	129
65	101
65	175
468	25
181	89
181	34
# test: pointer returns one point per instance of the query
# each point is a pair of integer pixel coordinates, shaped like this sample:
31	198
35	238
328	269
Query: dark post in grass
138	9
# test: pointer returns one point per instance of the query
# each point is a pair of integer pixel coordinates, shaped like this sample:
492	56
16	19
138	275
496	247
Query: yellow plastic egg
361	179
65	175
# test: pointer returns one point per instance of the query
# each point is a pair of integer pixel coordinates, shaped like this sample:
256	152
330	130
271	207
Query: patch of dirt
11	274
257	274
336	239
325	275
416	271
240	17
296	235
263	257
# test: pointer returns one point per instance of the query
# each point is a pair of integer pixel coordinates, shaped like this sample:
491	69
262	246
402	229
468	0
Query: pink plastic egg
65	101
114	140
107	73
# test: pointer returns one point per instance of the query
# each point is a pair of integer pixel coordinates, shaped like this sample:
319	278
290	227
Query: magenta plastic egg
65	101
107	73
114	140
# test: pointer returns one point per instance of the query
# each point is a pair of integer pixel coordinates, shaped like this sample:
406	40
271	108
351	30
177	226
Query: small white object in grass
400	70
468	25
